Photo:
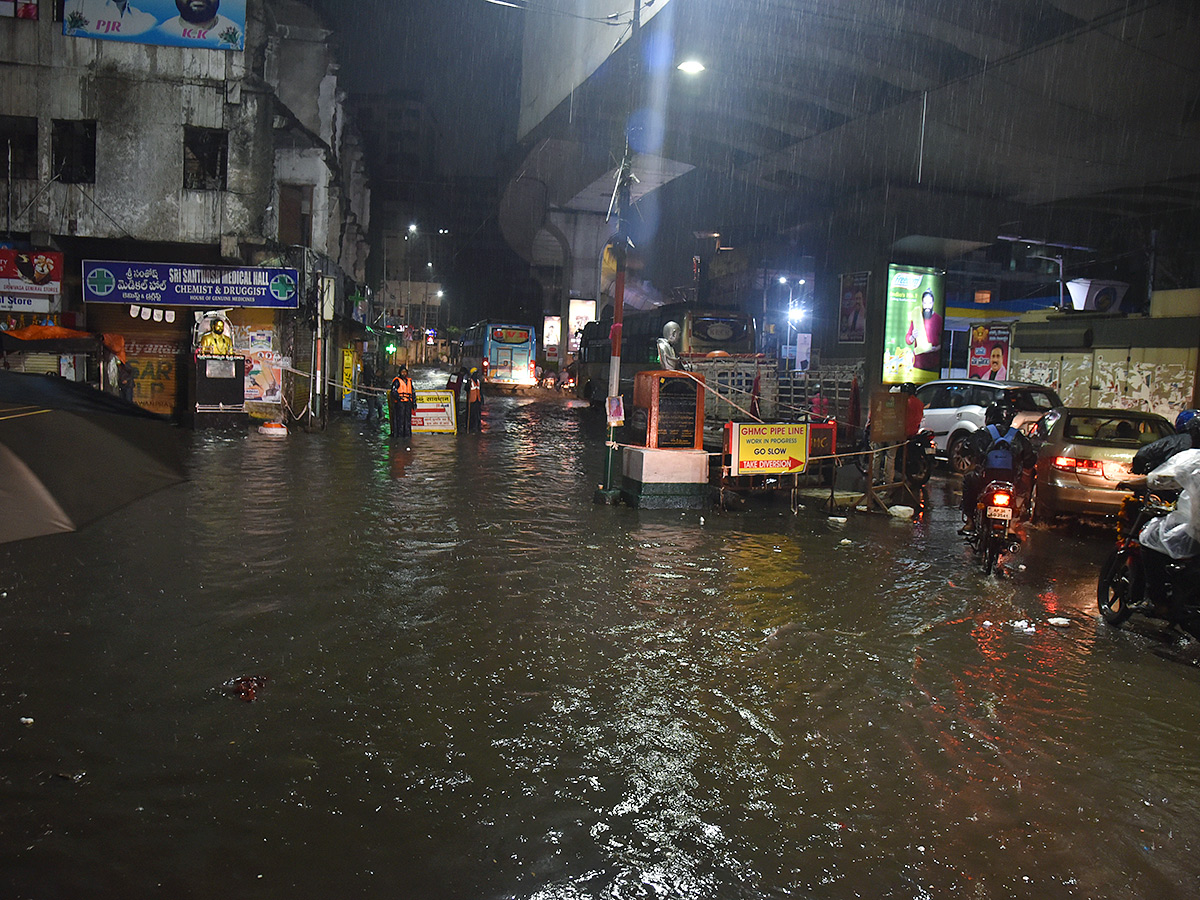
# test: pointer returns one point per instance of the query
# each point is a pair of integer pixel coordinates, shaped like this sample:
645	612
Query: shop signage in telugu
177	284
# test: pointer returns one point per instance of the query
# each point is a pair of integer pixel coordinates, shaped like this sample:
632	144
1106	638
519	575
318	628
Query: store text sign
762	449
177	284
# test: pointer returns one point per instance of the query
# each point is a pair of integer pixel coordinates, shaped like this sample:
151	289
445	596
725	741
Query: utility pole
620	243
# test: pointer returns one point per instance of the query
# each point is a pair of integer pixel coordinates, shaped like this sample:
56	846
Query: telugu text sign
180	284
769	449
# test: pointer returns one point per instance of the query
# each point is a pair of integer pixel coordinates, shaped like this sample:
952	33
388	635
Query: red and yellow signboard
762	449
30	271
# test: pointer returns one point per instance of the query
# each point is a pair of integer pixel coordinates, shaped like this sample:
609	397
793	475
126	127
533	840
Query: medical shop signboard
177	284
764	449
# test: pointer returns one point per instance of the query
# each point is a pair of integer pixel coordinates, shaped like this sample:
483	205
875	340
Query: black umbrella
70	454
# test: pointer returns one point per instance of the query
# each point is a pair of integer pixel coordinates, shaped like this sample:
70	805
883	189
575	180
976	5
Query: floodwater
480	684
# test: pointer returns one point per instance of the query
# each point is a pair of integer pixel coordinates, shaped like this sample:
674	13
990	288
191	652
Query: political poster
215	24
852	318
988	358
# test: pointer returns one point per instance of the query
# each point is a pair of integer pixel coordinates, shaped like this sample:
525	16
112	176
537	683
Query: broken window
19	9
73	147
205	158
295	214
18	147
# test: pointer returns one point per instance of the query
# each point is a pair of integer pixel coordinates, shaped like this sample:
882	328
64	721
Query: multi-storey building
130	135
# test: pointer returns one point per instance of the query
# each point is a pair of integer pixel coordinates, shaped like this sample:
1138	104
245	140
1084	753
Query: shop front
165	311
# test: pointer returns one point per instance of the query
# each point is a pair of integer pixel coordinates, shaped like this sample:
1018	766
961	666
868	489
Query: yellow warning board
769	449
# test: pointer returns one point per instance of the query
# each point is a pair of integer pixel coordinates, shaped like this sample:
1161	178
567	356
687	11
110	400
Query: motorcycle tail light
1001	498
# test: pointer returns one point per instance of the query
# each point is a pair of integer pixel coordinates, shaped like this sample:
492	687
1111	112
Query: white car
955	407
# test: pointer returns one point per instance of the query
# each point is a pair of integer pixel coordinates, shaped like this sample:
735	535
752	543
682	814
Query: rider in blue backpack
1001	453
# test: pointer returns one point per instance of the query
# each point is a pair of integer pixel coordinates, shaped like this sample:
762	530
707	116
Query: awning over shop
56	339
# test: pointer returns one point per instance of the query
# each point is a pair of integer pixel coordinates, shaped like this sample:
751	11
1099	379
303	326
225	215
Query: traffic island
665	479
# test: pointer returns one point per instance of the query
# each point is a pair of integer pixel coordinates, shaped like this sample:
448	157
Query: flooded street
479	684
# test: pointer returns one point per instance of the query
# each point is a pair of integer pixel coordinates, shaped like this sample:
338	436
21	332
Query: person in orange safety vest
405	400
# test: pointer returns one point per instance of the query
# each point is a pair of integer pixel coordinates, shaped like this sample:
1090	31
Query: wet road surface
479	684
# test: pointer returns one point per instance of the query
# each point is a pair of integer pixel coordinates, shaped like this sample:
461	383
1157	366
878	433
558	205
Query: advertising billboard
912	332
581	312
551	330
216	24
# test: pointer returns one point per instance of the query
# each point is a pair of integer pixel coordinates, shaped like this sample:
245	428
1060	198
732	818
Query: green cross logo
282	287
101	282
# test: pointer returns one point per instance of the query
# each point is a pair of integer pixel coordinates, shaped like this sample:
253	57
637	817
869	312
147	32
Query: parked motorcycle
996	511
1124	587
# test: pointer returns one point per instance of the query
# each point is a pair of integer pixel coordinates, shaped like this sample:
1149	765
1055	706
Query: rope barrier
797	409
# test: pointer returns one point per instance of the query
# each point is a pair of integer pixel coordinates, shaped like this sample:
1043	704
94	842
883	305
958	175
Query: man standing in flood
402	388
474	402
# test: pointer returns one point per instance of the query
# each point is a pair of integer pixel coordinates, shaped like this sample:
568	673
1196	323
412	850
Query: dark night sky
462	55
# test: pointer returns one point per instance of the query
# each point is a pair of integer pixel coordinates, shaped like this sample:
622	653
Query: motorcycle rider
1000	452
1186	437
1153	537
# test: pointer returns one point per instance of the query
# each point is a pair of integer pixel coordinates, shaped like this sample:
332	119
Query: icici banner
30	272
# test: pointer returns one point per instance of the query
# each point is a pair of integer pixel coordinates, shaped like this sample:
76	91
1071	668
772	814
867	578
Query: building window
295	214
18	147
20	9
73	146
205	157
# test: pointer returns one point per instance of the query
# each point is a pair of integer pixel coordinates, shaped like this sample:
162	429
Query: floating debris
246	687
1060	622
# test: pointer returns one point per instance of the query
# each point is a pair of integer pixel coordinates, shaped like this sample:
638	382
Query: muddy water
481	685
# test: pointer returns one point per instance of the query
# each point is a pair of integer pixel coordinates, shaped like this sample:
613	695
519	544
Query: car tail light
1001	498
532	370
1079	466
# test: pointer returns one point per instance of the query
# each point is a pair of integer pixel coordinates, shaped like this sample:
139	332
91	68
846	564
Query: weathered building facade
207	156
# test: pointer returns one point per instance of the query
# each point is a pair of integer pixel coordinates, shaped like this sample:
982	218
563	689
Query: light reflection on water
482	685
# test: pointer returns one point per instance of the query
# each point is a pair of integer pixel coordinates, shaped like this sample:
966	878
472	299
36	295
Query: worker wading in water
474	402
403	399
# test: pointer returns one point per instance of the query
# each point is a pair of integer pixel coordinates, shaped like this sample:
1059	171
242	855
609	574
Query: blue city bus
504	353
